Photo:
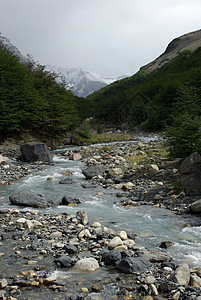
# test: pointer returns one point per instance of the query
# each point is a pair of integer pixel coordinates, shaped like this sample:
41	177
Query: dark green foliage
159	88
184	128
32	100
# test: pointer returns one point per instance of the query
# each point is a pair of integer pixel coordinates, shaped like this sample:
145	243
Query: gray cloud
103	36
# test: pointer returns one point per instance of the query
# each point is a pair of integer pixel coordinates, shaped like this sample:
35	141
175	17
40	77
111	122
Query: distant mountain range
81	82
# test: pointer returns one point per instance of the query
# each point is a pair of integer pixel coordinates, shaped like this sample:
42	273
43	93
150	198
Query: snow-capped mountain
83	83
8	45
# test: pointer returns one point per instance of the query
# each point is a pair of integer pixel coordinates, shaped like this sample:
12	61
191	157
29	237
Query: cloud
104	36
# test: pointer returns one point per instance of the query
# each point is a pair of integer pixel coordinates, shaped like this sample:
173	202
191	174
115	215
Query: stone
57	234
182	274
64	261
150	279
3	283
195	281
154	167
115	171
82	216
93	171
32	224
129	243
111	257
75	156
195	207
70	249
128	186
132	265
33	151
176	295
66	181
123	235
166	244
67	172
190	171
67	200
4	160
154	290
25	199
87	264
84	233
116	241
49	280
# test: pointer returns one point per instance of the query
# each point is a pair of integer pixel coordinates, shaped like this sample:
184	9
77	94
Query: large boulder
25	199
132	265
190	171
34	151
87	264
93	171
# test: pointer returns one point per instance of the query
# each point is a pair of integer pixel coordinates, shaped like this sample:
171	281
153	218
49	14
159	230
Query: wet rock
75	156
49	280
33	151
67	200
66	181
24	199
190	170
64	261
111	257
182	274
93	171
150	280
82	216
133	265
166	244
87	264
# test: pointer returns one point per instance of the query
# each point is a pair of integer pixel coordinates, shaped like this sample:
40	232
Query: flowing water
151	225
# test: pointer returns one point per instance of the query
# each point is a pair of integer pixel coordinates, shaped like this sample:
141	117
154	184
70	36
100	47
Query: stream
150	225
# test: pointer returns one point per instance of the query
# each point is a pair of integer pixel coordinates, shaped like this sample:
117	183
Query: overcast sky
107	37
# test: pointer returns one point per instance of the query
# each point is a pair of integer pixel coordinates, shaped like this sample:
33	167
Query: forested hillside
147	98
32	101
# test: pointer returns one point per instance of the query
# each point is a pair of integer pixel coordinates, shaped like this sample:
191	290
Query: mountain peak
189	41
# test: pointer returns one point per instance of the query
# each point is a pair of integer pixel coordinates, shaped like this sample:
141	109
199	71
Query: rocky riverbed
62	256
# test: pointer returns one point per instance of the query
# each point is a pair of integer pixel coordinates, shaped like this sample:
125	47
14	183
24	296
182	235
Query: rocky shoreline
63	256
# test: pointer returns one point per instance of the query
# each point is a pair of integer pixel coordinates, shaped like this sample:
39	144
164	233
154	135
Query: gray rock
67	200
87	264
190	170
3	283
93	171
33	151
115	242
196	206
182	274
64	261
25	199
82	216
70	249
66	181
133	265
111	257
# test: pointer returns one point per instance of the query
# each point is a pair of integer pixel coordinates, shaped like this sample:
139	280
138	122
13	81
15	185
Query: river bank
39	250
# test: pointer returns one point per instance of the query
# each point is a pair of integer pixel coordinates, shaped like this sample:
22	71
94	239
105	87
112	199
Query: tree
184	129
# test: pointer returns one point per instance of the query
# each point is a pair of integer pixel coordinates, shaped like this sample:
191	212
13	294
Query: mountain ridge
81	82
